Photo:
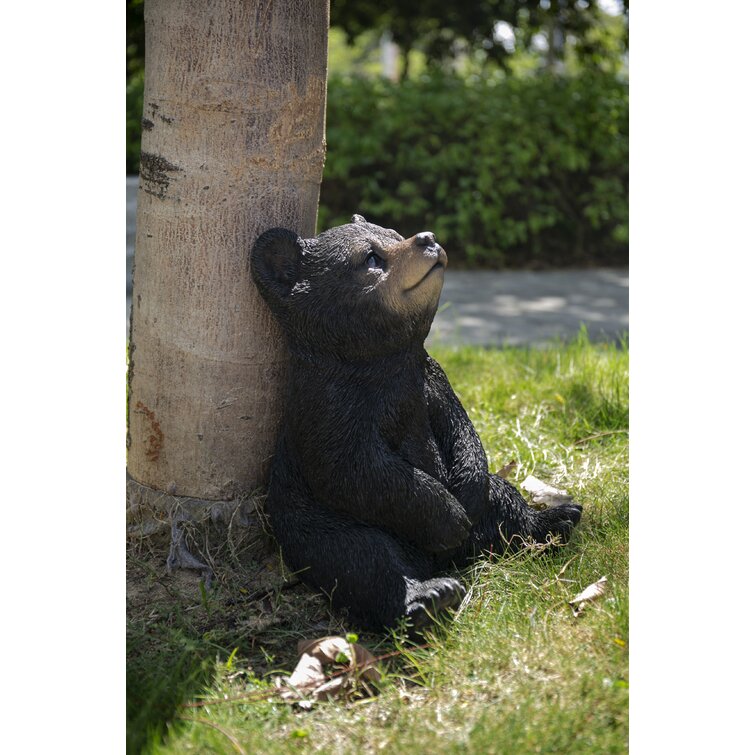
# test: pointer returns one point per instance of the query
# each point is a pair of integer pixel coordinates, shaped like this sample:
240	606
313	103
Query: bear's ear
276	261
357	219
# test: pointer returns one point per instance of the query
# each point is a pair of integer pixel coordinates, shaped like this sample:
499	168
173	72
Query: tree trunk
232	144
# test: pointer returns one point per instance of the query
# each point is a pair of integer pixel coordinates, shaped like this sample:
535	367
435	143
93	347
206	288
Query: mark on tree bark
154	172
155	441
147	124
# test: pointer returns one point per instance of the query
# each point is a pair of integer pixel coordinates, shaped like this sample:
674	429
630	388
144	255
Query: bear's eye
375	262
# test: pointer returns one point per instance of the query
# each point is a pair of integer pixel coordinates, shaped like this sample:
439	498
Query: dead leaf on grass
544	495
506	470
588	595
328	667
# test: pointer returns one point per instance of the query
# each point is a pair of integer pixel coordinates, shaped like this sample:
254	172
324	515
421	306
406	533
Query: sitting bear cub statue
379	481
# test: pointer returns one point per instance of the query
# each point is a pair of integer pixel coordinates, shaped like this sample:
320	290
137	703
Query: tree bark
232	144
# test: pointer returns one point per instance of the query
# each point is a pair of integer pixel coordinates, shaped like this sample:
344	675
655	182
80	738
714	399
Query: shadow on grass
177	634
165	668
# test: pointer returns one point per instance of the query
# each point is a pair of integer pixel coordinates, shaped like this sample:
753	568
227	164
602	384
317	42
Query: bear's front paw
557	522
426	600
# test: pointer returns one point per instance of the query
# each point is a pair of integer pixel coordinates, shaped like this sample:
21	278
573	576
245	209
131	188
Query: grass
514	671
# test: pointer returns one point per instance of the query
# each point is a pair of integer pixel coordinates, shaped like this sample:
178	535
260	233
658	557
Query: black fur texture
379	480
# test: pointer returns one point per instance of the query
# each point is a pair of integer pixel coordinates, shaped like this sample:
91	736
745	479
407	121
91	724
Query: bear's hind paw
426	600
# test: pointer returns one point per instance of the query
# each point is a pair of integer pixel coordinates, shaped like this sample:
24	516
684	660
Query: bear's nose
426	238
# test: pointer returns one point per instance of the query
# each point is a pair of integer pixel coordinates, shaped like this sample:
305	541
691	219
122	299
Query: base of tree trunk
197	534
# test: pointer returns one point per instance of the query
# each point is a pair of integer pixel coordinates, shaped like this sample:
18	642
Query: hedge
517	173
520	172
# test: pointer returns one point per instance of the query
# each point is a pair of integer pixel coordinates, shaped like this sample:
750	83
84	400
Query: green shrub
512	173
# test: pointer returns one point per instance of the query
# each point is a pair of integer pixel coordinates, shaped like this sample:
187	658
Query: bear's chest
350	418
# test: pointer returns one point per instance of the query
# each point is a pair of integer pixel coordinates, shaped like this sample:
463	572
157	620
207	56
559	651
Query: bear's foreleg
464	456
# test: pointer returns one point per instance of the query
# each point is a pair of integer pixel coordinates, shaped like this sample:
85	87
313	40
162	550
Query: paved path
522	307
492	308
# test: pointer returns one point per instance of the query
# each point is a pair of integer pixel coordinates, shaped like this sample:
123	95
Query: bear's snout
426	238
430	247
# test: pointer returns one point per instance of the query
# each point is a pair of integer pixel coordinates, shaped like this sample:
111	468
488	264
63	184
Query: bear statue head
355	292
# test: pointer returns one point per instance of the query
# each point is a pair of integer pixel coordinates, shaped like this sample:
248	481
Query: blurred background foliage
501	125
